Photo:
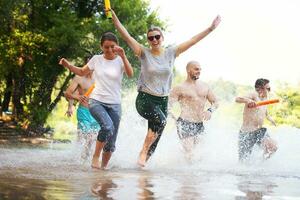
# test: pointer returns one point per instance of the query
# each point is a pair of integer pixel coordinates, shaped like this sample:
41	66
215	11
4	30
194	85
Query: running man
252	132
192	96
87	126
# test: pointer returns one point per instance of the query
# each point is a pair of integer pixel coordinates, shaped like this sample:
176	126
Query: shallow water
56	171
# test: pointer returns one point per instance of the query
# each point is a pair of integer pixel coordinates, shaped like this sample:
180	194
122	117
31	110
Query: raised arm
132	43
77	70
186	45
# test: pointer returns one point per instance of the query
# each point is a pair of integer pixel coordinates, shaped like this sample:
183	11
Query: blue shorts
85	121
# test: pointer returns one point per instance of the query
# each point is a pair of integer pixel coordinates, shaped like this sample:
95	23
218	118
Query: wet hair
155	28
108	36
260	83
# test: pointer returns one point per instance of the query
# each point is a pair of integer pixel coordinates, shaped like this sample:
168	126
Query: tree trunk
7	93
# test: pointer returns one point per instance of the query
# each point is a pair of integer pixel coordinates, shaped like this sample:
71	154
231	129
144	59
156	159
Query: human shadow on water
103	188
254	188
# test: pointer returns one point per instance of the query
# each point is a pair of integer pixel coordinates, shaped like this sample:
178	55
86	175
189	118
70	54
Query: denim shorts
108	116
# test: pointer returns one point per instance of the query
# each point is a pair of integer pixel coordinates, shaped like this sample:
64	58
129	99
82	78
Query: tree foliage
35	33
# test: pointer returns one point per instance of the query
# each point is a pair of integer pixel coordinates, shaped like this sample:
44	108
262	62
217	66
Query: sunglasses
151	38
268	88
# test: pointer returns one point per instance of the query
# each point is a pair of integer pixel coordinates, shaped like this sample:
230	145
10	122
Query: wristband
210	110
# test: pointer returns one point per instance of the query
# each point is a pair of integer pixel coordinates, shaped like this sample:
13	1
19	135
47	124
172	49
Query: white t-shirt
108	76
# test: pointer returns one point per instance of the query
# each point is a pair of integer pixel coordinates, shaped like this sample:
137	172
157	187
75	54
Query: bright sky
256	38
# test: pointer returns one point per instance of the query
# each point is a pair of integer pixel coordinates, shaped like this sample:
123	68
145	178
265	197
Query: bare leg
150	138
188	145
269	147
98	149
87	144
105	159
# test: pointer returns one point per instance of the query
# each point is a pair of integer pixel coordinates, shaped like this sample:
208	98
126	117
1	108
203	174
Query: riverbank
10	133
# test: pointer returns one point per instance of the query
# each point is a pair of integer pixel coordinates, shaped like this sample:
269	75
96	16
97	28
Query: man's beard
194	77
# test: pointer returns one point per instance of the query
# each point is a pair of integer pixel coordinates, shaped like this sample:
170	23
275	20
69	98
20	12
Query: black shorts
247	140
186	129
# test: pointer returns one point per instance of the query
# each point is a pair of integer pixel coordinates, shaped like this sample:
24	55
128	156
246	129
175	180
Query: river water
56	171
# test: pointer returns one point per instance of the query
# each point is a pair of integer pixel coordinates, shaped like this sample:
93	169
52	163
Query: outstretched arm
186	45
77	70
248	100
132	43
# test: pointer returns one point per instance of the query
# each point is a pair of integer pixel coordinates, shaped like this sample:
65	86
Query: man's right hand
251	104
83	100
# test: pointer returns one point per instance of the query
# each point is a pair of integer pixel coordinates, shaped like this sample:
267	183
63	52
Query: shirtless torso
253	118
80	84
192	97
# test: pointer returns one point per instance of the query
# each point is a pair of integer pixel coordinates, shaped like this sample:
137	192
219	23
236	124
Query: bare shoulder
77	78
252	95
203	86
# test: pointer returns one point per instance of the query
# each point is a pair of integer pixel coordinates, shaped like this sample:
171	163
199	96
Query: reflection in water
189	189
55	172
20	188
103	188
146	189
255	189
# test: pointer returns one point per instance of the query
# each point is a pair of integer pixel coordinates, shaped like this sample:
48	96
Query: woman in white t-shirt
105	100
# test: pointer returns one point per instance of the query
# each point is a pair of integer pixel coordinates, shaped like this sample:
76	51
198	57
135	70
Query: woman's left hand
216	22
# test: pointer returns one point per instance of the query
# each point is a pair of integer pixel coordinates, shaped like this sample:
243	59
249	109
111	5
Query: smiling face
108	49
155	39
264	90
262	87
193	69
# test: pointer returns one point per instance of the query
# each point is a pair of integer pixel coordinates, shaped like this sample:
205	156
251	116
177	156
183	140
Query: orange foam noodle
89	91
270	101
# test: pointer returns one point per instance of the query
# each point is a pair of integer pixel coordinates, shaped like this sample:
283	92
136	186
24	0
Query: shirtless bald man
192	96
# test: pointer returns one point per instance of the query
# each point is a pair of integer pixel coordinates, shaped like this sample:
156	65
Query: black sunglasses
151	38
268	88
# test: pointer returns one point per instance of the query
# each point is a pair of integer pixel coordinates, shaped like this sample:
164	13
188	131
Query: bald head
191	64
193	70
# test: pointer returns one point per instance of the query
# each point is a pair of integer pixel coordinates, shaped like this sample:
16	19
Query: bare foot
142	159
95	163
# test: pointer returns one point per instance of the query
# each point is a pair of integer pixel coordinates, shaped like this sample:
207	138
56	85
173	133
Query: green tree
35	33
288	110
